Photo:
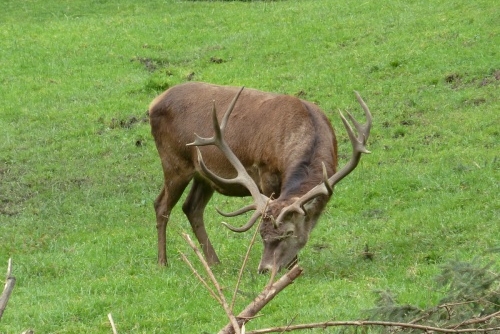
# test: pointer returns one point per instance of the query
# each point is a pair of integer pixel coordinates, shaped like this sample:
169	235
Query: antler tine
294	207
358	147
214	176
323	188
237	212
362	128
219	129
329	189
242	177
358	143
247	226
368	114
230	109
204	168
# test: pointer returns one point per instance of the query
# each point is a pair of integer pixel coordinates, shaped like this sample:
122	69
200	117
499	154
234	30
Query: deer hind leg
163	205
193	207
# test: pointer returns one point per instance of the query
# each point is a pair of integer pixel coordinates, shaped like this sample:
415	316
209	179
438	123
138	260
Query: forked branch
263	298
221	296
269	292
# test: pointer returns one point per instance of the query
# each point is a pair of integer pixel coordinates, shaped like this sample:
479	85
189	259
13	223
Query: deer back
281	140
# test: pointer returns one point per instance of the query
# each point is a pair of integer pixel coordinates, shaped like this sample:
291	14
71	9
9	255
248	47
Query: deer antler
358	147
243	178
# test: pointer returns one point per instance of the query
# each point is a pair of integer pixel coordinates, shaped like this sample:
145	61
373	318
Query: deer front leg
193	207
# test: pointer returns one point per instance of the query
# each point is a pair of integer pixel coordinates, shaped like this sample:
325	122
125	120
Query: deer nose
264	269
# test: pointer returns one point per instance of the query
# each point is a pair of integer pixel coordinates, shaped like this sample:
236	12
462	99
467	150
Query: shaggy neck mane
307	172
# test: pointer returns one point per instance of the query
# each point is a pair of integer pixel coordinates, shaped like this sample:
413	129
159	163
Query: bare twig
476	320
370	323
264	297
448	307
9	286
245	259
229	313
274	271
201	279
290	322
113	327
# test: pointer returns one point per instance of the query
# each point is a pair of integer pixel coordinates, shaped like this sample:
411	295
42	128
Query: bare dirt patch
13	191
464	80
123	122
217	60
128	122
491	79
151	64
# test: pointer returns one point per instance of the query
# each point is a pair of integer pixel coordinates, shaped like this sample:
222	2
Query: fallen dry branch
371	323
201	279
221	296
9	286
269	292
263	298
236	324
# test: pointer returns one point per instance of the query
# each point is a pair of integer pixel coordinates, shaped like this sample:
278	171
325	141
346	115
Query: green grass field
79	169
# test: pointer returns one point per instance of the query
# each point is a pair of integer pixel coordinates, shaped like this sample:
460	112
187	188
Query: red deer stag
284	147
